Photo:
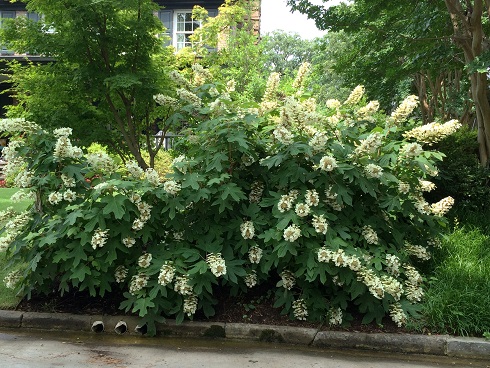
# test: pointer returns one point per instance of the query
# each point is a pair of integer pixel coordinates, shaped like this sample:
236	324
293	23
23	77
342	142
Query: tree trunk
466	18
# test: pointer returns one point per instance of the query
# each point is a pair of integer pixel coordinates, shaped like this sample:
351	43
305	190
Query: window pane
180	27
188	17
180	17
188	27
180	38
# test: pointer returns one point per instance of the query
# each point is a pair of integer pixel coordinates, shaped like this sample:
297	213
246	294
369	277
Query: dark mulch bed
256	308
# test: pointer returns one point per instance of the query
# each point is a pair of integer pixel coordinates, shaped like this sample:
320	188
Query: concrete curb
442	345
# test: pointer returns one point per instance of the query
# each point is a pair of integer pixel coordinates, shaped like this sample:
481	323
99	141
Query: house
176	16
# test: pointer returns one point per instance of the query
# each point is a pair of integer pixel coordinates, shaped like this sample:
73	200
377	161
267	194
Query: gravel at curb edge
443	345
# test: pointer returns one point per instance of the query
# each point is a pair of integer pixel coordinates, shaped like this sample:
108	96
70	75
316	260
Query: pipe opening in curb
121	327
97	327
141	329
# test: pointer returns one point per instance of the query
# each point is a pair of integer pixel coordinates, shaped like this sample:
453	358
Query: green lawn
458	297
8	299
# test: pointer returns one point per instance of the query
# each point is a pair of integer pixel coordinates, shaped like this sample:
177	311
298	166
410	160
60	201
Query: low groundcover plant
327	202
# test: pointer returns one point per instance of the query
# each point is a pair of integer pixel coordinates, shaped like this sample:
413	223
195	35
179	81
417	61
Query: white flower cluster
442	207
99	238
291	233
331	199
398	315
327	163
271	87
178	79
231	85
12	279
247	160
433	132
372	281
17	125
413	284
366	112
302	209
392	286
23	179
434	242
172	187
13	227
168	101
23	195
120	274
255	254
369	234
312	198
180	163
138	282
101	162
129	241
410	150
303	71
189	97
369	146
318	142
144	261
190	305
333	103
300	311
422	206
373	171
134	170
251	279
247	230
404	110
256	191
216	264
151	175
426	186
287	200
417	251
64	148
288	279
201	75
145	214
392	264
182	286
335	316
320	224
403	188
355	96
68	181
56	197
167	273
283	135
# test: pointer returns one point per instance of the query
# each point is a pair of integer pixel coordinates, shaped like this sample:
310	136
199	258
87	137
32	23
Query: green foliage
109	65
457	297
327	205
461	175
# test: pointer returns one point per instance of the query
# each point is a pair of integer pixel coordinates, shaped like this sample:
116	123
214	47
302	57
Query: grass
458	297
8	299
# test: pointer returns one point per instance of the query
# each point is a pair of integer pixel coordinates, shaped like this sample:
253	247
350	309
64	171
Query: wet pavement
41	349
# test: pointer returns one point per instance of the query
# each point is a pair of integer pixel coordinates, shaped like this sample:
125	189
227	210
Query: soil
256	308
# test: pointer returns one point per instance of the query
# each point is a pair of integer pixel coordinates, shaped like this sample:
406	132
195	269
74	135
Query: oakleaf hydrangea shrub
329	204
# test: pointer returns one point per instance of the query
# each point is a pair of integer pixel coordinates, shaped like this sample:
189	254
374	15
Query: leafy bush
328	205
461	175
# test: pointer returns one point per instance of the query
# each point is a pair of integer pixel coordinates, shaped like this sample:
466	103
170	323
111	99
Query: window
180	26
184	28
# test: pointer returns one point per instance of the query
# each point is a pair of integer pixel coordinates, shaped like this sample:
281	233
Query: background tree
108	66
431	41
